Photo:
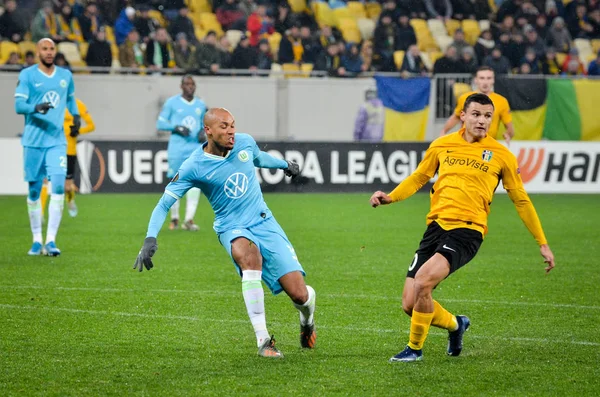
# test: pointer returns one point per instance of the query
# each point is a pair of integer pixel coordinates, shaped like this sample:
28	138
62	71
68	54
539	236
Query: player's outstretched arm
144	258
548	257
380	198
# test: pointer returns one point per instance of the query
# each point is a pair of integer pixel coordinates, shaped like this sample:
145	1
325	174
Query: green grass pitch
87	324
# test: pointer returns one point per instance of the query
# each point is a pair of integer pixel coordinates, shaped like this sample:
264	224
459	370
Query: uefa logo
52	97
236	186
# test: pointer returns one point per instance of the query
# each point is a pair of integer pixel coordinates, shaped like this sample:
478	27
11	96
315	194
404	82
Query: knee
34	193
298	295
423	284
407	307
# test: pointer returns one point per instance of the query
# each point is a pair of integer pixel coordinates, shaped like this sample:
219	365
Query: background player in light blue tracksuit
224	169
183	115
43	93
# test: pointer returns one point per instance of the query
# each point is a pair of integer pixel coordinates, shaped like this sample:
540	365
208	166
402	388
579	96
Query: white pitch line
340	328
332	296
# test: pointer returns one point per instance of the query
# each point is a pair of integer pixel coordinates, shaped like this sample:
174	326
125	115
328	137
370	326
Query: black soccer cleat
455	337
308	336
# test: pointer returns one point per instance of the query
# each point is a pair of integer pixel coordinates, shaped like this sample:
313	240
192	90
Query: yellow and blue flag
406	103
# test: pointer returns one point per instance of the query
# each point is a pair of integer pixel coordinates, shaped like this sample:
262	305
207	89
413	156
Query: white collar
48	75
186	101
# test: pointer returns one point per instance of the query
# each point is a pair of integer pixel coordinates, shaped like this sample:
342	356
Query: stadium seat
234	37
595	46
274	41
484	24
452	25
471	29
6	47
357	9
434	56
373	10
297	6
199	32
209	21
25	46
418	25
351	35
83	48
366	27
200	6
110	34
306	68
276	71
443	42
398	59
347	24
71	52
436	27
427	60
158	16
323	14
460	88
342	13
493	6
426	42
584	46
290	67
560	57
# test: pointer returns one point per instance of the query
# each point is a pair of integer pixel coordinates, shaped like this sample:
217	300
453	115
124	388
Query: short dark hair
483	69
481	99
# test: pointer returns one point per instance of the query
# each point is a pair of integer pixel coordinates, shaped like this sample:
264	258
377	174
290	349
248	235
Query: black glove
75	127
144	258
43	107
293	169
181	130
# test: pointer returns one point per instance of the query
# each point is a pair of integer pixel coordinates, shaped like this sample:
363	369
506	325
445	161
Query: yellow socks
44	197
70	195
442	318
419	327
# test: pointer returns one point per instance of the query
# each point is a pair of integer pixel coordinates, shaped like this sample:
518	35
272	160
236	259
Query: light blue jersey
233	191
178	111
35	87
229	183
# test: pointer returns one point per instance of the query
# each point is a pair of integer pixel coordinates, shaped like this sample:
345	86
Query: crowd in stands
339	38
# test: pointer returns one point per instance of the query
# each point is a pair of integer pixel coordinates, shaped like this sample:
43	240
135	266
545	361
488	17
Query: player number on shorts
414	263
63	161
294	256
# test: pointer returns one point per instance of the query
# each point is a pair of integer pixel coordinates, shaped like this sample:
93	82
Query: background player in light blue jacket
43	93
183	115
224	169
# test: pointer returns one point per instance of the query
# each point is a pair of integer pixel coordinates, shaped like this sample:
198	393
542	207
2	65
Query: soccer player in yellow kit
484	80
470	165
71	133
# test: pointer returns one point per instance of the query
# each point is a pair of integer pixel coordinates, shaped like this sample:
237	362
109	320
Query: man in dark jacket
99	52
12	23
183	24
207	54
244	56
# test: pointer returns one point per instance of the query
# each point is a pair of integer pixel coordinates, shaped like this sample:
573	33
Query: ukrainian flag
406	103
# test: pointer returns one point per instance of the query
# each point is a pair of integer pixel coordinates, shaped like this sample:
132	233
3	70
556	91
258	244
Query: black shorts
458	246
71	163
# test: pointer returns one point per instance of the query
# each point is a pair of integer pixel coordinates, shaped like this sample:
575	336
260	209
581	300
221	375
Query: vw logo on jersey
243	156
189	122
52	97
236	185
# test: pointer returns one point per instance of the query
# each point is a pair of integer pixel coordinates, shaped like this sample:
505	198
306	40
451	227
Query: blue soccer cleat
36	249
455	337
51	249
407	355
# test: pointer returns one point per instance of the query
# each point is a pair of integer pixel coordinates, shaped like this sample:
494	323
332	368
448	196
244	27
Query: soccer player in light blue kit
43	93
224	169
183	115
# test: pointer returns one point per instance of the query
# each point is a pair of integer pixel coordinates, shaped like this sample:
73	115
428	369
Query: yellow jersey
501	111
468	175
87	126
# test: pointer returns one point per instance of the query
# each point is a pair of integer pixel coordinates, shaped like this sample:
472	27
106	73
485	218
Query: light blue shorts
279	257
42	162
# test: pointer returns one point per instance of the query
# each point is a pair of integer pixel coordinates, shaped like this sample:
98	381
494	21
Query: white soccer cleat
190	225
72	207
